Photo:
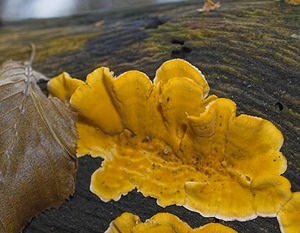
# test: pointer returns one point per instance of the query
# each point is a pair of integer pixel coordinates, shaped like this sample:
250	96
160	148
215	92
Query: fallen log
248	51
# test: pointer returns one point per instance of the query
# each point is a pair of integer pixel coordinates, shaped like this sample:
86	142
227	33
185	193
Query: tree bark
248	51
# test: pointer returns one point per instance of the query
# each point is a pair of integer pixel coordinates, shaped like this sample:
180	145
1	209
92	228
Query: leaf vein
10	68
7	129
11	83
11	110
11	95
41	113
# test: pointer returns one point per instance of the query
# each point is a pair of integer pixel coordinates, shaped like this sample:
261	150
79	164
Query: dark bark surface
248	51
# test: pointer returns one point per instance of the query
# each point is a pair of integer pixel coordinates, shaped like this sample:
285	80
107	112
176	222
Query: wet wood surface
248	51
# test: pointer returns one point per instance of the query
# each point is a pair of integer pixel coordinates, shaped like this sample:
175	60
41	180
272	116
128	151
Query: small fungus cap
98	88
289	215
161	223
63	86
181	68
123	224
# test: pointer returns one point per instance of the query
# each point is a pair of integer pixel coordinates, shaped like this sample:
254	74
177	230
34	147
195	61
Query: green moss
64	44
48	41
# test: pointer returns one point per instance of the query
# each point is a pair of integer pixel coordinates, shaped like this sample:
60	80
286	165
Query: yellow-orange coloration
171	142
209	5
289	215
294	2
178	68
161	223
63	86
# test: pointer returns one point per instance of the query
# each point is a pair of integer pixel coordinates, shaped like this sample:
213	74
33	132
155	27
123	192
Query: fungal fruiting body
289	215
171	141
161	223
69	86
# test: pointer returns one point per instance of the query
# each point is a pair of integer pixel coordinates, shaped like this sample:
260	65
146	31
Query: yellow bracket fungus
289	215
161	223
69	86
170	141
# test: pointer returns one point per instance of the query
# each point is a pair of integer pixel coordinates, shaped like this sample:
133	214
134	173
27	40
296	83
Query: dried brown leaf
37	144
209	5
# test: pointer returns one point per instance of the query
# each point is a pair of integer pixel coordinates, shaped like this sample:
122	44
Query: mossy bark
248	51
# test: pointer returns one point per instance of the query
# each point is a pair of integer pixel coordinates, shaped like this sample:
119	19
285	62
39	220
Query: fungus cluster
162	222
172	141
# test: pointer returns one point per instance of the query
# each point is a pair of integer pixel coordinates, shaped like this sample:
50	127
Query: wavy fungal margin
162	222
172	141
